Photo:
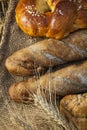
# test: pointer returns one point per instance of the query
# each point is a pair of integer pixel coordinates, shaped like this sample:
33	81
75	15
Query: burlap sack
15	115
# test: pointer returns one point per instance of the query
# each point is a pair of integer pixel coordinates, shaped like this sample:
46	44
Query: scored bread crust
65	16
48	53
68	80
74	108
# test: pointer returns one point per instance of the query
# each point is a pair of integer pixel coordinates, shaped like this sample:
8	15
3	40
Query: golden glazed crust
65	16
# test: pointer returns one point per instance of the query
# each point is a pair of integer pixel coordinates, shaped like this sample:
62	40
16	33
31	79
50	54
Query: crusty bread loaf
64	17
48	53
68	80
74	108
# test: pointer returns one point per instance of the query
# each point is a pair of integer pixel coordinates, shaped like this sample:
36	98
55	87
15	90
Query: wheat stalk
3	9
52	111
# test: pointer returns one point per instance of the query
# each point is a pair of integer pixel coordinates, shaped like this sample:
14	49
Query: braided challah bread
48	53
51	18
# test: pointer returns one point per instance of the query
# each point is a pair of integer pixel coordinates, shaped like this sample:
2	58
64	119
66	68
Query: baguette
46	53
68	80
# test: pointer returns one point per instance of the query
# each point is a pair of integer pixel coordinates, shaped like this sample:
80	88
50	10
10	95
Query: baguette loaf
46	53
68	80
